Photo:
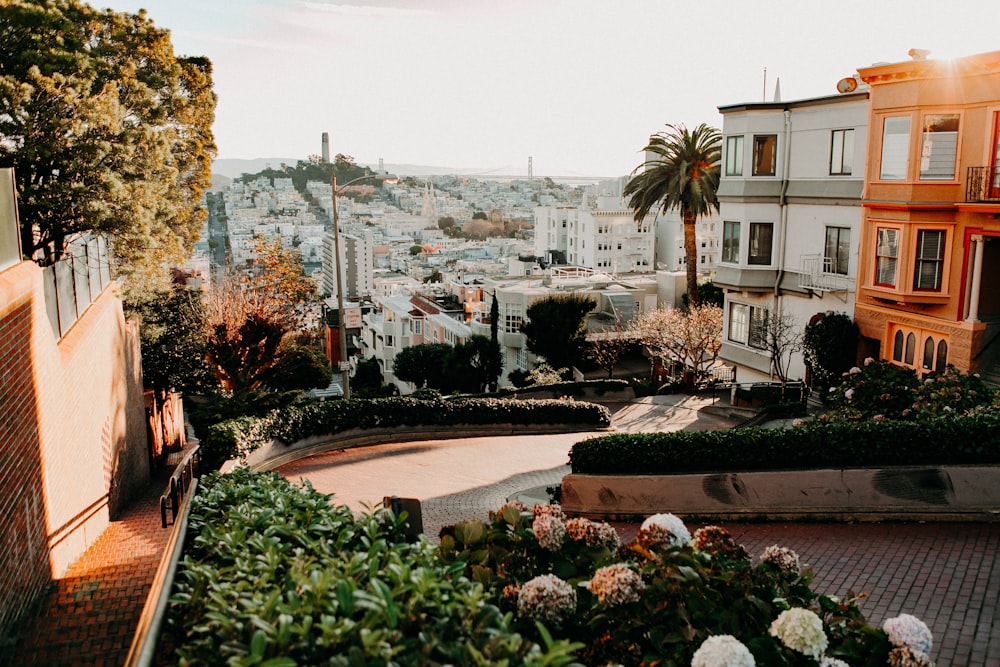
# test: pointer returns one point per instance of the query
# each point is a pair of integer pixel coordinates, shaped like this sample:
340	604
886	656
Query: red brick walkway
90	615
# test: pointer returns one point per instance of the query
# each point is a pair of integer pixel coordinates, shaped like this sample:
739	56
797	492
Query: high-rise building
325	154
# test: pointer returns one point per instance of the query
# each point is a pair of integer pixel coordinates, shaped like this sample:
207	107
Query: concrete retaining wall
914	493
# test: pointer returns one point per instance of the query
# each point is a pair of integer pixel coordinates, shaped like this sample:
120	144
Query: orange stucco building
929	266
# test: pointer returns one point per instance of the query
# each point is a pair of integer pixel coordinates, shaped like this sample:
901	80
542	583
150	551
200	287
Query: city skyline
578	85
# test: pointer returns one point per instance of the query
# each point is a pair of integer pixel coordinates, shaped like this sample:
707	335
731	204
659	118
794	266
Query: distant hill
234	168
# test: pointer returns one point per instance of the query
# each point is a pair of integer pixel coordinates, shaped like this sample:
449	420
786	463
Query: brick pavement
89	615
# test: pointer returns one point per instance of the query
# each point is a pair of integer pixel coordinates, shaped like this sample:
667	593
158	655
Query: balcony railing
983	184
816	273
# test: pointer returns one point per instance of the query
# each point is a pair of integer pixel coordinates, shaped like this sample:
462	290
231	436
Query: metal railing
982	184
180	481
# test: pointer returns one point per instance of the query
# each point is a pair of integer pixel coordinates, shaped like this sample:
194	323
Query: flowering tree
691	337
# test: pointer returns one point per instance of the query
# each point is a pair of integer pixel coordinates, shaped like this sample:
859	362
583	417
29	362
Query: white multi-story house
604	238
790	203
357	267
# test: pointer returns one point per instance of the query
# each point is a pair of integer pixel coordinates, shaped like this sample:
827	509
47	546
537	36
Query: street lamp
345	367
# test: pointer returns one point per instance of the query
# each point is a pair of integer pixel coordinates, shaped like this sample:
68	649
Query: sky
577	85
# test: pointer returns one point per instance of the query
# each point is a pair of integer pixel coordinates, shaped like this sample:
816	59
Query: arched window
897	346
942	356
929	354
911	348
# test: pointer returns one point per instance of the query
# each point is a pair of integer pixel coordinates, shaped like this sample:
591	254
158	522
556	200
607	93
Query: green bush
273	574
815	444
237	438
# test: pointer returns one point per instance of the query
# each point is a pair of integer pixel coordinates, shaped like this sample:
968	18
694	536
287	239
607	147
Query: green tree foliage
475	364
446	222
480	215
300	365
555	328
107	130
681	172
830	348
367	379
423	365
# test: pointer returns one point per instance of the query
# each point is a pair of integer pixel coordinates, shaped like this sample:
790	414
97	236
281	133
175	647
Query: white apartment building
790	202
357	267
603	238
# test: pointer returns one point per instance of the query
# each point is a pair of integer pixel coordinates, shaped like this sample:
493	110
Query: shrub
274	574
237	438
970	440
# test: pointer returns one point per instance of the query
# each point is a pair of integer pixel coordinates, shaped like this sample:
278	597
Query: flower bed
274	574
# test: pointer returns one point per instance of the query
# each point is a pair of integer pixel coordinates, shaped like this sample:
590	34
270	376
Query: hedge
239	437
958	441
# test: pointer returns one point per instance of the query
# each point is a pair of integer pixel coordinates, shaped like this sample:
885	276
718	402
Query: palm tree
681	171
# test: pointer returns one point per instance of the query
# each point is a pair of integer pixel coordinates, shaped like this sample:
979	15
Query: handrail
142	652
181	478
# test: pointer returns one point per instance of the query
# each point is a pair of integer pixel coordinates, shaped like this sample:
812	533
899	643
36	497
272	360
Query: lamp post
345	367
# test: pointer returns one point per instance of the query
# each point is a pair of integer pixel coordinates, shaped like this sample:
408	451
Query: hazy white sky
579	85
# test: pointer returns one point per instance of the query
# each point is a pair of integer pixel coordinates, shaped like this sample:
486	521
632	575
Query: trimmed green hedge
273	574
599	387
963	440
239	437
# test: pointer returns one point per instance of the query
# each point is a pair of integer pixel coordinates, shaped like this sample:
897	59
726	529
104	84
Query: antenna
530	172
763	95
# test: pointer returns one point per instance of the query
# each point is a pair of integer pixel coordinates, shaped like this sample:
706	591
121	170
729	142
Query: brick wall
72	433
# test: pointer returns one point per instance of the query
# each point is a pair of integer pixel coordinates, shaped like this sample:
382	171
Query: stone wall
73	446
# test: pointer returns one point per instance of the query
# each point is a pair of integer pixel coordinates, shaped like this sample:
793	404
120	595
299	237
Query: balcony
983	184
816	274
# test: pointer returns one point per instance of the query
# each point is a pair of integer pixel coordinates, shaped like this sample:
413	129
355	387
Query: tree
830	348
300	365
476	364
367	379
416	250
607	347
782	337
555	328
690	337
434	277
480	215
681	172
108	131
446	222
423	365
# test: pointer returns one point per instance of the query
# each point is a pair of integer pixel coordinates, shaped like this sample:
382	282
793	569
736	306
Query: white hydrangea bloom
907	630
616	584
546	598
800	630
549	530
670	523
827	661
722	651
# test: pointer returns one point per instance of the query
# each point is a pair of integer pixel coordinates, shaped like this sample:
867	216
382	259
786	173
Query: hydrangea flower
800	630
905	656
663	529
849	394
784	560
827	661
616	584
546	598
716	541
909	631
722	651
549	530
551	510
592	533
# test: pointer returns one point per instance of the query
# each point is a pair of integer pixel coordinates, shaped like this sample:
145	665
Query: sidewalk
90	614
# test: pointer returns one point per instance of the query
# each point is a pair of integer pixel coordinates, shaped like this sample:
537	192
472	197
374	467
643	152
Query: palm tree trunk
691	256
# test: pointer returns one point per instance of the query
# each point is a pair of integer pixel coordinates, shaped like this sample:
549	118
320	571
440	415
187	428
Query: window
930	260
748	325
895	147
886	255
730	241
933	357
939	147
734	156
512	318
841	152
760	243
389	342
417	326
837	250
765	150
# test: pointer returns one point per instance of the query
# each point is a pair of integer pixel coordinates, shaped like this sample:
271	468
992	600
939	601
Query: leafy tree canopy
423	365
107	130
555	328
